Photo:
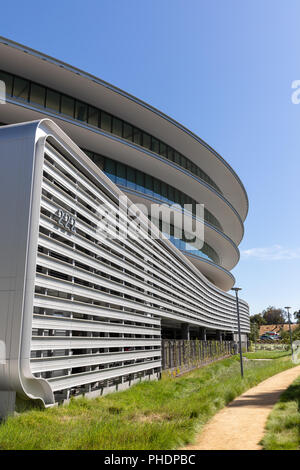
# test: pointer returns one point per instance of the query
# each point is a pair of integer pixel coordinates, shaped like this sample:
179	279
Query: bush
285	335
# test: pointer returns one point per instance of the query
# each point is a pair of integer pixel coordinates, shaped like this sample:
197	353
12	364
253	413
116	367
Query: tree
273	316
297	316
285	335
258	319
254	331
255	322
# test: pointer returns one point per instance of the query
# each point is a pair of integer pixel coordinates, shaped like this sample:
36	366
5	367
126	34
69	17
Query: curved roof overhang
225	248
218	275
138	157
39	67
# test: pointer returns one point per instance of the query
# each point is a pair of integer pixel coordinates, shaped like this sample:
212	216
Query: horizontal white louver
77	348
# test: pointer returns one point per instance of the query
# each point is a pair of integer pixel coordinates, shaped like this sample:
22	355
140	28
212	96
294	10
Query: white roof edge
127	95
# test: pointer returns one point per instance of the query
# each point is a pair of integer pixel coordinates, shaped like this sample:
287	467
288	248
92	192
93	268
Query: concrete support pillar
185	328
7	404
202	334
219	335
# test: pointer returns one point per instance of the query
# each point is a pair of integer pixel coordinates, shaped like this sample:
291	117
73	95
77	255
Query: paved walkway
240	425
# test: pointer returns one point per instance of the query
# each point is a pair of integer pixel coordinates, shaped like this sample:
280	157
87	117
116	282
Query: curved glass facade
41	96
132	179
191	248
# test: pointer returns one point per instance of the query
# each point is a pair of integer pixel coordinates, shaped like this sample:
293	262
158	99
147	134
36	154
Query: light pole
290	328
236	290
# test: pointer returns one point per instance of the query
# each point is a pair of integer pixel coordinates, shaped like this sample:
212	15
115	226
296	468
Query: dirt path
240	425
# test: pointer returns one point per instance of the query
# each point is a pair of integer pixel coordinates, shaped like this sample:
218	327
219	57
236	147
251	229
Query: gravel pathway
240	425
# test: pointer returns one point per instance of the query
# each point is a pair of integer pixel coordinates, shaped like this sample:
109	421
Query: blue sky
222	68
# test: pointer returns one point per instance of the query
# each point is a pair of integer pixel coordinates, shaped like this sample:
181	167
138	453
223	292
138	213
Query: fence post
163	358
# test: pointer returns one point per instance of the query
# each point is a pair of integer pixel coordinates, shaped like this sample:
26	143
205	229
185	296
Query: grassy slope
283	425
267	354
152	415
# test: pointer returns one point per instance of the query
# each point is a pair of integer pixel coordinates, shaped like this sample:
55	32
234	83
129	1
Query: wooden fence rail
181	355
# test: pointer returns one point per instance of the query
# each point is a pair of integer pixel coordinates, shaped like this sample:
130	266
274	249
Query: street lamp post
290	328
236	290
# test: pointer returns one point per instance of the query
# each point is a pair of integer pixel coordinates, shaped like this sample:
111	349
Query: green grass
267	354
283	425
151	415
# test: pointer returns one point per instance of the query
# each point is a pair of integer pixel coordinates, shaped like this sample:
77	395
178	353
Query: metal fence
183	355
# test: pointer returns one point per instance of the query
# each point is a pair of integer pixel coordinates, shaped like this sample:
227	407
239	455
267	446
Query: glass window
171	193
67	105
121	174
199	173
140	186
117	127
182	198
186	199
188	165
21	88
149	184
127	131
183	161
131	178
81	111
146	140
8	80
177	158
52	100
99	161
110	169
93	117
164	190
137	136
37	94
105	121
156	188
154	145
177	196
163	149
170	153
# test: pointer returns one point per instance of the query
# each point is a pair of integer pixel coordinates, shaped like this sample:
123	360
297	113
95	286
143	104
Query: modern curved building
152	159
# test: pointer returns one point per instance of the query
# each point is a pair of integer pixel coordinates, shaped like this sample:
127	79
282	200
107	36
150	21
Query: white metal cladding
98	302
72	267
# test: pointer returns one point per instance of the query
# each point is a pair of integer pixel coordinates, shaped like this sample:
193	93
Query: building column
185	328
219	335
7	404
202	334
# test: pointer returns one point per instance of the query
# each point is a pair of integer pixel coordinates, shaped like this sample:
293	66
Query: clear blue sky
222	68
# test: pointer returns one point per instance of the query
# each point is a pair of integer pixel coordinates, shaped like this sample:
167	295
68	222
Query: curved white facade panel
81	311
